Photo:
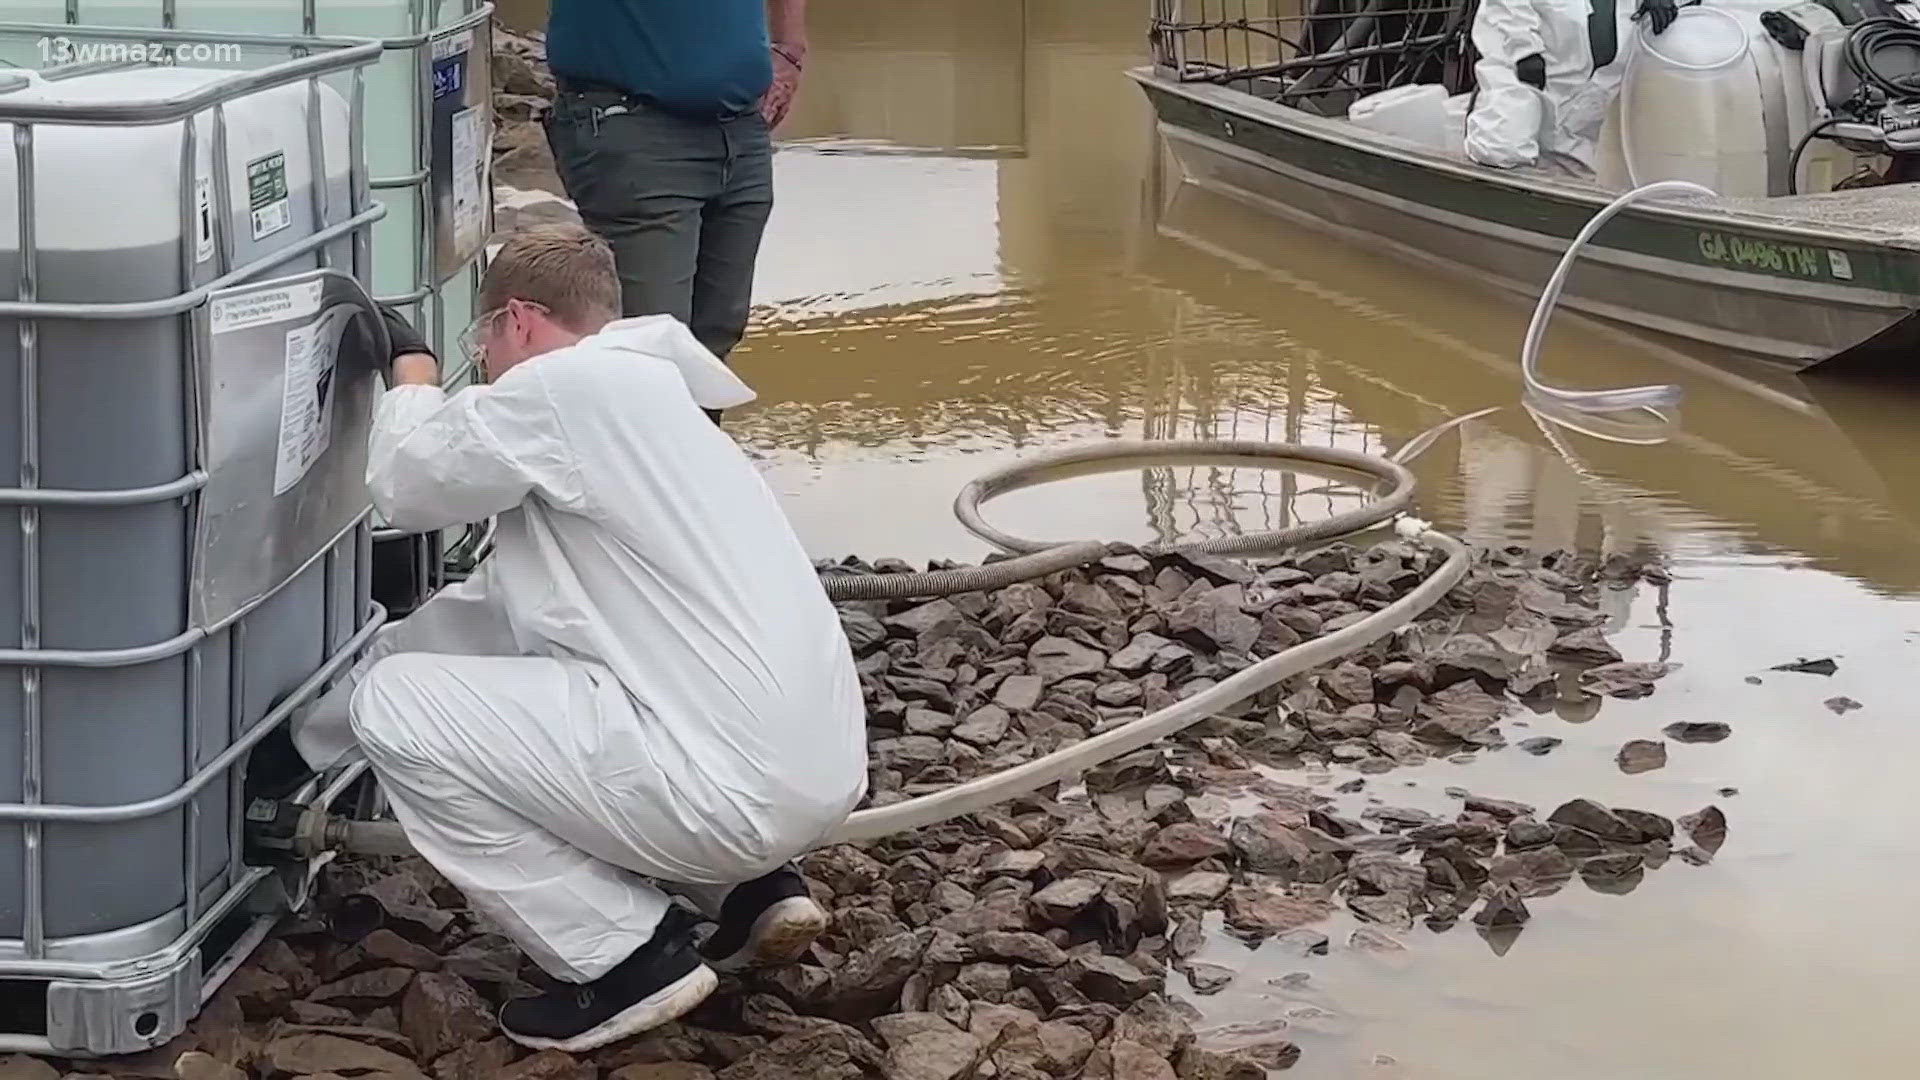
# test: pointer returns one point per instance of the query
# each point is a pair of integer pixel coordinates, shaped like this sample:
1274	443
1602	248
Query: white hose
1651	398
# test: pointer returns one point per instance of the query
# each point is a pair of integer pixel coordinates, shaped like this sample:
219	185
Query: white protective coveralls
1512	124
645	682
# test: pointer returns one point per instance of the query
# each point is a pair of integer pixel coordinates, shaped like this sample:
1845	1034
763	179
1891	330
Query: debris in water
1755	680
1803	666
1843	705
1698	731
1641	755
1539	745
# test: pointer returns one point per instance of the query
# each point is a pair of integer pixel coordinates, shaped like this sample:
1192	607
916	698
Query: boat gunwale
1694	211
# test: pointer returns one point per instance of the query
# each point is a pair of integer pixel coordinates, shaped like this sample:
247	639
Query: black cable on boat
1800	148
1869	40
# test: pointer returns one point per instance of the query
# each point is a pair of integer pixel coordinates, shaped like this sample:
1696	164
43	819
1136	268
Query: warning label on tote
306	408
237	311
202	219
267	199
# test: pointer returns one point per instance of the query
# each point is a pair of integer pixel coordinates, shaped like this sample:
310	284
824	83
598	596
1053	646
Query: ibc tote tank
396	87
116	410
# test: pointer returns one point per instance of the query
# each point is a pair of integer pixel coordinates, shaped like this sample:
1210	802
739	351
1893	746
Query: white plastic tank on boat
1414	113
185	534
1455	141
1692	106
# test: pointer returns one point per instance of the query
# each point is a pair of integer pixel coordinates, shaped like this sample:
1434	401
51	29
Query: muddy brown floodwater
976	253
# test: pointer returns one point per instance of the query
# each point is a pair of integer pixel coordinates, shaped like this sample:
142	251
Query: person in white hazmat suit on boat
643	688
1547	72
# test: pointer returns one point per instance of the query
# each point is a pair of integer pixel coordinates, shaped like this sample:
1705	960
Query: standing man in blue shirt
661	131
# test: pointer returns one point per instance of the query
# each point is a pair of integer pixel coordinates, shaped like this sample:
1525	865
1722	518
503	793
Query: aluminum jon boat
1253	105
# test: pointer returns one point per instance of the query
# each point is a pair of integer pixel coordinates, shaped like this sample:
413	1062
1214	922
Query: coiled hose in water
1038	558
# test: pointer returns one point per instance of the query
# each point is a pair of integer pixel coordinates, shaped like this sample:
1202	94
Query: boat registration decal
1751	252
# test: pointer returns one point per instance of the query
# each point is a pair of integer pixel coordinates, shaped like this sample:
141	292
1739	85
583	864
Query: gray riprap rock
1111	979
1590	817
937	1051
1017	948
1265	842
1207	979
1650	826
1063	901
1057	658
310	1054
1587	645
1138	654
1641	755
1086	598
1214	622
1539	745
1401	748
822	1055
1018	693
871	979
927	617
1460	713
1499	808
985	726
1198	887
1264	911
1523	833
441	1013
1535	871
1503	908
864	632
909	753
1183	844
1698	731
1349	683
928	722
1625	680
1385	874
1707	828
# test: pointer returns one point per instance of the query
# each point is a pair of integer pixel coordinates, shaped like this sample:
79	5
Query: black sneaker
769	920
663	980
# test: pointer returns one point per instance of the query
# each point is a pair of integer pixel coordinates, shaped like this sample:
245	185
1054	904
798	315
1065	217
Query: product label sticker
1840	264
203	219
267	200
306	408
469	159
237	311
453	45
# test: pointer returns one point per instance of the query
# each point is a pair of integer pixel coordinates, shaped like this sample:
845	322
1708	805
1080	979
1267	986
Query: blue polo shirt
699	58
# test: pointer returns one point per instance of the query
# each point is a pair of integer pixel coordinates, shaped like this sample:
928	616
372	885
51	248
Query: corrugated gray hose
1038	558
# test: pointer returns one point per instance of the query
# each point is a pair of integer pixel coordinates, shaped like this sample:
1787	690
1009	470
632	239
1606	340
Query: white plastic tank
1458	106
1415	113
116	411
1692	106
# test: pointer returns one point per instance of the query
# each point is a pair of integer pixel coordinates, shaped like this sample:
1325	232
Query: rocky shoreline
1054	937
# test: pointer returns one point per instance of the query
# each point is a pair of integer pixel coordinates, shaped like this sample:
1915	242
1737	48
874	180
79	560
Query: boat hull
1789	293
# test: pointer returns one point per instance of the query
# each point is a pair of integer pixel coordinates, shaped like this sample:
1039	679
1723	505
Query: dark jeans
682	202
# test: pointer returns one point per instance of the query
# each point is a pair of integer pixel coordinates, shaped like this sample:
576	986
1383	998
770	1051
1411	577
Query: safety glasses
473	340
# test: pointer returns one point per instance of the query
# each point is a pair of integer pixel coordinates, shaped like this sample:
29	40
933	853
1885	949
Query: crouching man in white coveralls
643	688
